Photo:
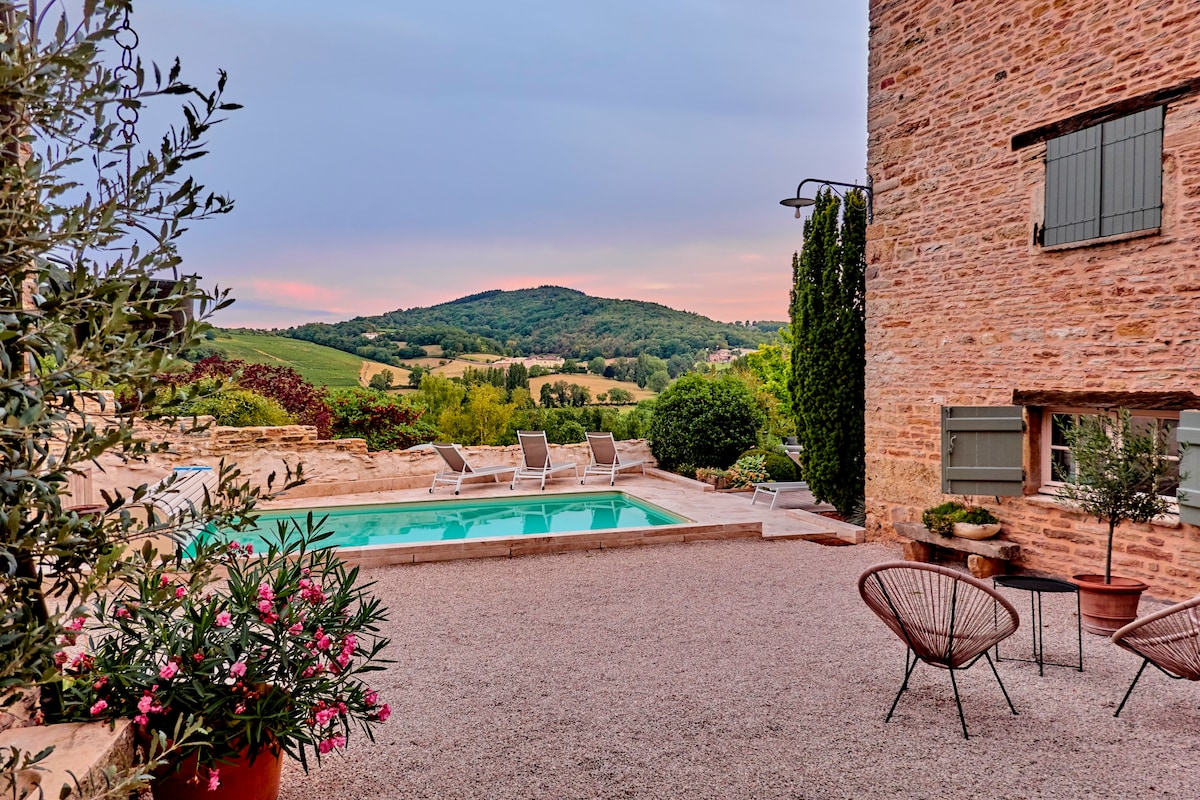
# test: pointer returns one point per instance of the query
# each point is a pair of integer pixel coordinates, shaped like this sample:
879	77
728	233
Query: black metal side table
1036	587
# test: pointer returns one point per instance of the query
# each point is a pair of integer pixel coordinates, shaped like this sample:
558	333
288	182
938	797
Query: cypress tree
828	315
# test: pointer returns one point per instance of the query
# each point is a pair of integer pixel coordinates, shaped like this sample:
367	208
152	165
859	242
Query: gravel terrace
735	669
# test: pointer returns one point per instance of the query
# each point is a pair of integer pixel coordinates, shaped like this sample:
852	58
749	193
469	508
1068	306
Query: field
594	383
321	366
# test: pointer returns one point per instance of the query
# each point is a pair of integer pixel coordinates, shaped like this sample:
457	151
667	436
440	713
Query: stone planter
965	530
1105	607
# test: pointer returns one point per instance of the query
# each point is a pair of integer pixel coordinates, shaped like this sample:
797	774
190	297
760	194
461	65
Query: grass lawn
320	365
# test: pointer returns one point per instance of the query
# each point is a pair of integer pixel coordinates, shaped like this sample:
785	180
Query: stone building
1035	250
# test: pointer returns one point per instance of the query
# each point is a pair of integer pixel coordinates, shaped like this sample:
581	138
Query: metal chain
127	75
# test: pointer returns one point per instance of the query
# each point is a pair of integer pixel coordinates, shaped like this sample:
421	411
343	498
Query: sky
402	153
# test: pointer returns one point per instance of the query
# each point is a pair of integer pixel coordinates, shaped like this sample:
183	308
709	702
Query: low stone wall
331	467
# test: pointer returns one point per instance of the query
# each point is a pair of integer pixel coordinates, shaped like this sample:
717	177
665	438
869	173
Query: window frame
1049	486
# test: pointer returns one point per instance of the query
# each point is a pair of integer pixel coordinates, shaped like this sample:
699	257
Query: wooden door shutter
1131	170
1188	436
1073	187
983	450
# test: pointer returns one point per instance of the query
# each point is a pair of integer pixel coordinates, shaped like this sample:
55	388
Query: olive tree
91	298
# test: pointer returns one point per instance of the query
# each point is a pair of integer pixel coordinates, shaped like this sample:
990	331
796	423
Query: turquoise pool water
448	520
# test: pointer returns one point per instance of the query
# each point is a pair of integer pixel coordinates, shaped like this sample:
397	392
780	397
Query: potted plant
955	519
1116	478
269	659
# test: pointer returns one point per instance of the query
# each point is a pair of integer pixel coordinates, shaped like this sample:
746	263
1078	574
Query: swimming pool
451	520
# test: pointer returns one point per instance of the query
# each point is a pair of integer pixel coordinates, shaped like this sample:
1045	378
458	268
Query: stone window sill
1120	237
1046	500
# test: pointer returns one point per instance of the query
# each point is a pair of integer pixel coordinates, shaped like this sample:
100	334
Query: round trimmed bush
704	421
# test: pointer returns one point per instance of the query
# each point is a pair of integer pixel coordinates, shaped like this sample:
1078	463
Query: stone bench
984	558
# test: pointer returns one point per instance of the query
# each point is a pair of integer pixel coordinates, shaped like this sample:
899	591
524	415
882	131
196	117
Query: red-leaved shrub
307	403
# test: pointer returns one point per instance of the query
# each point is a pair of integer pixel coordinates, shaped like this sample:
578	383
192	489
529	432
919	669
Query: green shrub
703	421
387	422
746	471
779	466
241	408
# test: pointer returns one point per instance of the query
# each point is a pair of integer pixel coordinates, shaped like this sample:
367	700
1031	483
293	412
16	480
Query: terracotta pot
1107	606
240	779
966	530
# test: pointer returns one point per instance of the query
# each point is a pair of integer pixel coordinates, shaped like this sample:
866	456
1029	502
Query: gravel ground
739	669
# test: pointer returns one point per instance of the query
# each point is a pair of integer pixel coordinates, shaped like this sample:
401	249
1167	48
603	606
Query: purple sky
399	154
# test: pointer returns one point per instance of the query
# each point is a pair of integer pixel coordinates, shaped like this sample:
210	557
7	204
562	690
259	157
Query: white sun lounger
535	459
181	495
606	460
776	488
457	469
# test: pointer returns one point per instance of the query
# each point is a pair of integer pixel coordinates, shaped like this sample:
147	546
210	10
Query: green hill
320	365
548	319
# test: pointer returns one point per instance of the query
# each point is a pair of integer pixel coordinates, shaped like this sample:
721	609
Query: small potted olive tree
1117	476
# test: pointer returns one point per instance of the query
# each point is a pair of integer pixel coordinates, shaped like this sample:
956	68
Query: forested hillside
548	319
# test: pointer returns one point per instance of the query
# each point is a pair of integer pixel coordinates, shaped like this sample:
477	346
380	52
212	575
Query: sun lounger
535	459
181	495
457	469
776	488
606	460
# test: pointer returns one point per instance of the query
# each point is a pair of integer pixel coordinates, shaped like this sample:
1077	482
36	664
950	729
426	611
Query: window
1058	465
1104	180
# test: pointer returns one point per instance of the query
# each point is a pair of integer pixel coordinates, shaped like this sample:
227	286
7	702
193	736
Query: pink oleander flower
180	591
265	592
146	703
214	779
240	708
325	716
223	619
384	713
76	624
141	719
322	641
164	580
372	698
169	671
333	741
249	549
269	617
60	658
264	606
121	613
296	629
238	669
99	707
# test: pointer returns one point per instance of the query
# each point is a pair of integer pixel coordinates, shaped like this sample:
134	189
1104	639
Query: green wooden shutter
1188	436
1131	173
1073	187
983	450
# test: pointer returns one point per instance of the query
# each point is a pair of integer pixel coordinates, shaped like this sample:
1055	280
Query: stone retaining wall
331	467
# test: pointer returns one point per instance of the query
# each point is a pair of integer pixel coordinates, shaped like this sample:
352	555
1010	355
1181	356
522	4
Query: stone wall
331	467
962	307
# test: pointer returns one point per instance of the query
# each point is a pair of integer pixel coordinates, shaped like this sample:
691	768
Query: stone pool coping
715	517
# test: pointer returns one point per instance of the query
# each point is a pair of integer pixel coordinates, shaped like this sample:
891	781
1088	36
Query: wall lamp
799	201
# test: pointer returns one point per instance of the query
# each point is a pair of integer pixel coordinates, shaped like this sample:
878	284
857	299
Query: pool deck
714	515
